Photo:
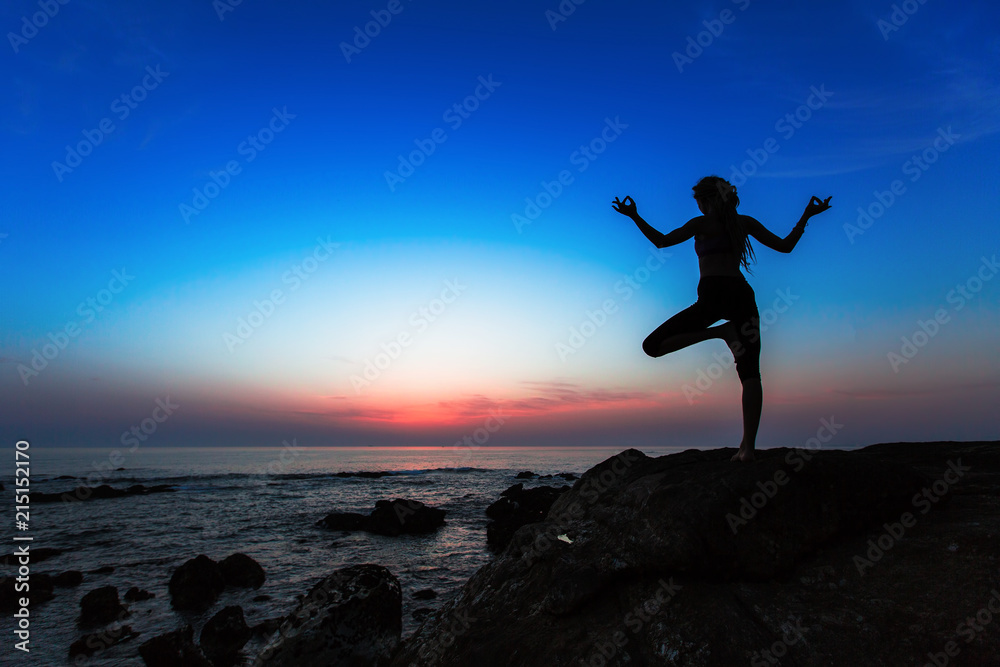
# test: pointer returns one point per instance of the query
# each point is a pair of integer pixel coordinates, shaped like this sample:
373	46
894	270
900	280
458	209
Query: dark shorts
719	298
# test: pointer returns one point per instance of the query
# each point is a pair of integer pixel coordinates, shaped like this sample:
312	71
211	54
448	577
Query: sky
389	223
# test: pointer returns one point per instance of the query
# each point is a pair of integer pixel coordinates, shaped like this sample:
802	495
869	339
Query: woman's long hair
721	195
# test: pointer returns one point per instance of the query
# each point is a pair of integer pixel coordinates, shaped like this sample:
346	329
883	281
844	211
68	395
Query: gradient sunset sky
491	272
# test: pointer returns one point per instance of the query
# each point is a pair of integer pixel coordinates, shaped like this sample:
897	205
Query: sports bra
712	245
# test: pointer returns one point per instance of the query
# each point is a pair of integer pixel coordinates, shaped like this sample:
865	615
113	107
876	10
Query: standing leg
753	402
746	349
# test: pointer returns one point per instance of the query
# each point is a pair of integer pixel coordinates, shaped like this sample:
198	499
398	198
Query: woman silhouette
721	240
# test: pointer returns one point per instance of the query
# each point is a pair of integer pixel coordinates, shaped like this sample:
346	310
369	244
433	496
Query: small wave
460	469
233	480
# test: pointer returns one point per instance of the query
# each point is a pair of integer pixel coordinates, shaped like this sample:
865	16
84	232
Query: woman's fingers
619	204
624	206
825	203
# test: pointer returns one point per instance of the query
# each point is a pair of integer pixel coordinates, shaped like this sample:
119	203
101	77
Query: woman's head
717	196
715	193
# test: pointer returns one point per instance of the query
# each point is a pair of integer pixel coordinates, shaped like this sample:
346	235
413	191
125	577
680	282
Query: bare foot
745	455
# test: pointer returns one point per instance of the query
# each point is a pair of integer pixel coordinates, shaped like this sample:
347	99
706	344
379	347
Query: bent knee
649	347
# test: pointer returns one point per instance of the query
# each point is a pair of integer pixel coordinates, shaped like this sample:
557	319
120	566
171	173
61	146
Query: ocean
263	502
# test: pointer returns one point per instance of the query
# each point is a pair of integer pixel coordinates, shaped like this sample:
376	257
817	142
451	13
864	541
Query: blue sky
260	108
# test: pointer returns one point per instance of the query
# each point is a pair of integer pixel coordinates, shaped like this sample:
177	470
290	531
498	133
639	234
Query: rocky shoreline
880	556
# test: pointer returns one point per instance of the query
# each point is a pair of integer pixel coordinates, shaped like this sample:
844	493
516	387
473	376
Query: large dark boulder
224	635
101	606
394	517
242	571
196	584
173	649
390	517
517	507
808	557
352	617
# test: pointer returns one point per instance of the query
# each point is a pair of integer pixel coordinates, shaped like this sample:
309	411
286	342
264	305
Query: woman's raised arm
773	241
627	207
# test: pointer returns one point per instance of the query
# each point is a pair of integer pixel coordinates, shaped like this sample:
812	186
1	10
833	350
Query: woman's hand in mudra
624	206
817	206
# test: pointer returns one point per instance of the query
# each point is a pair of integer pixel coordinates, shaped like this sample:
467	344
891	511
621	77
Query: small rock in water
196	584
425	594
242	571
68	578
390	517
174	649
136	594
101	606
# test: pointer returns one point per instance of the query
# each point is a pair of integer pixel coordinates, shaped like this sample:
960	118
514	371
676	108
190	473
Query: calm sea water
263	502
